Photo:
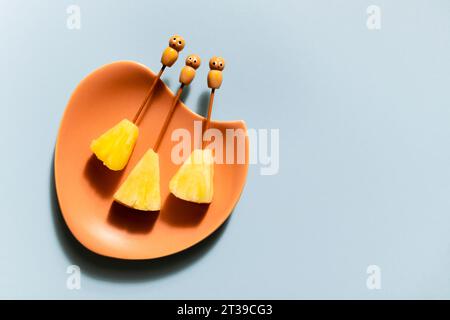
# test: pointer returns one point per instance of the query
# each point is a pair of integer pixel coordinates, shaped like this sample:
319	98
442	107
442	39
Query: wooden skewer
216	65
168	117
168	58
186	76
150	93
208	118
211	101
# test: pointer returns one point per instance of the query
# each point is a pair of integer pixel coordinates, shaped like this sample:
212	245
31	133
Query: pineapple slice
114	147
194	180
140	190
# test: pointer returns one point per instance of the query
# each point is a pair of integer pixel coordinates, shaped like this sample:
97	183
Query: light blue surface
364	119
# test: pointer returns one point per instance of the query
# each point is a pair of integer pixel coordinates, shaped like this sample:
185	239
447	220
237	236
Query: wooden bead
216	64
177	42
194	61
170	54
188	71
169	57
214	79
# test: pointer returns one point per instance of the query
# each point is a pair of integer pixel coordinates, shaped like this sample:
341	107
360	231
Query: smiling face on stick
188	72
177	42
170	54
193	61
216	64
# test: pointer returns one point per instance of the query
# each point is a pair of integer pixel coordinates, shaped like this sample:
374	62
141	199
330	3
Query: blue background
364	119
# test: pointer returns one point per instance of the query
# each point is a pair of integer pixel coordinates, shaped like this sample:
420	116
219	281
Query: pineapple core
114	147
194	180
141	188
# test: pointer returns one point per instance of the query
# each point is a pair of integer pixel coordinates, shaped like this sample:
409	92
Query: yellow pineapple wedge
194	180
140	190
114	147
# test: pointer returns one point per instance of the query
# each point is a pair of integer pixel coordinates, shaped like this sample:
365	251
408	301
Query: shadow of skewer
202	104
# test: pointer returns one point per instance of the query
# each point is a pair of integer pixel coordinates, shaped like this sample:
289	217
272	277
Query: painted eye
179	42
214	63
220	64
190	58
195	61
174	39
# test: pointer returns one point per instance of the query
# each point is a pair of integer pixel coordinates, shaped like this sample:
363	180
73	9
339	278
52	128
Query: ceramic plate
85	187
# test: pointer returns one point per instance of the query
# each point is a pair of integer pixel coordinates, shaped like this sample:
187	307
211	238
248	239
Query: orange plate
85	187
